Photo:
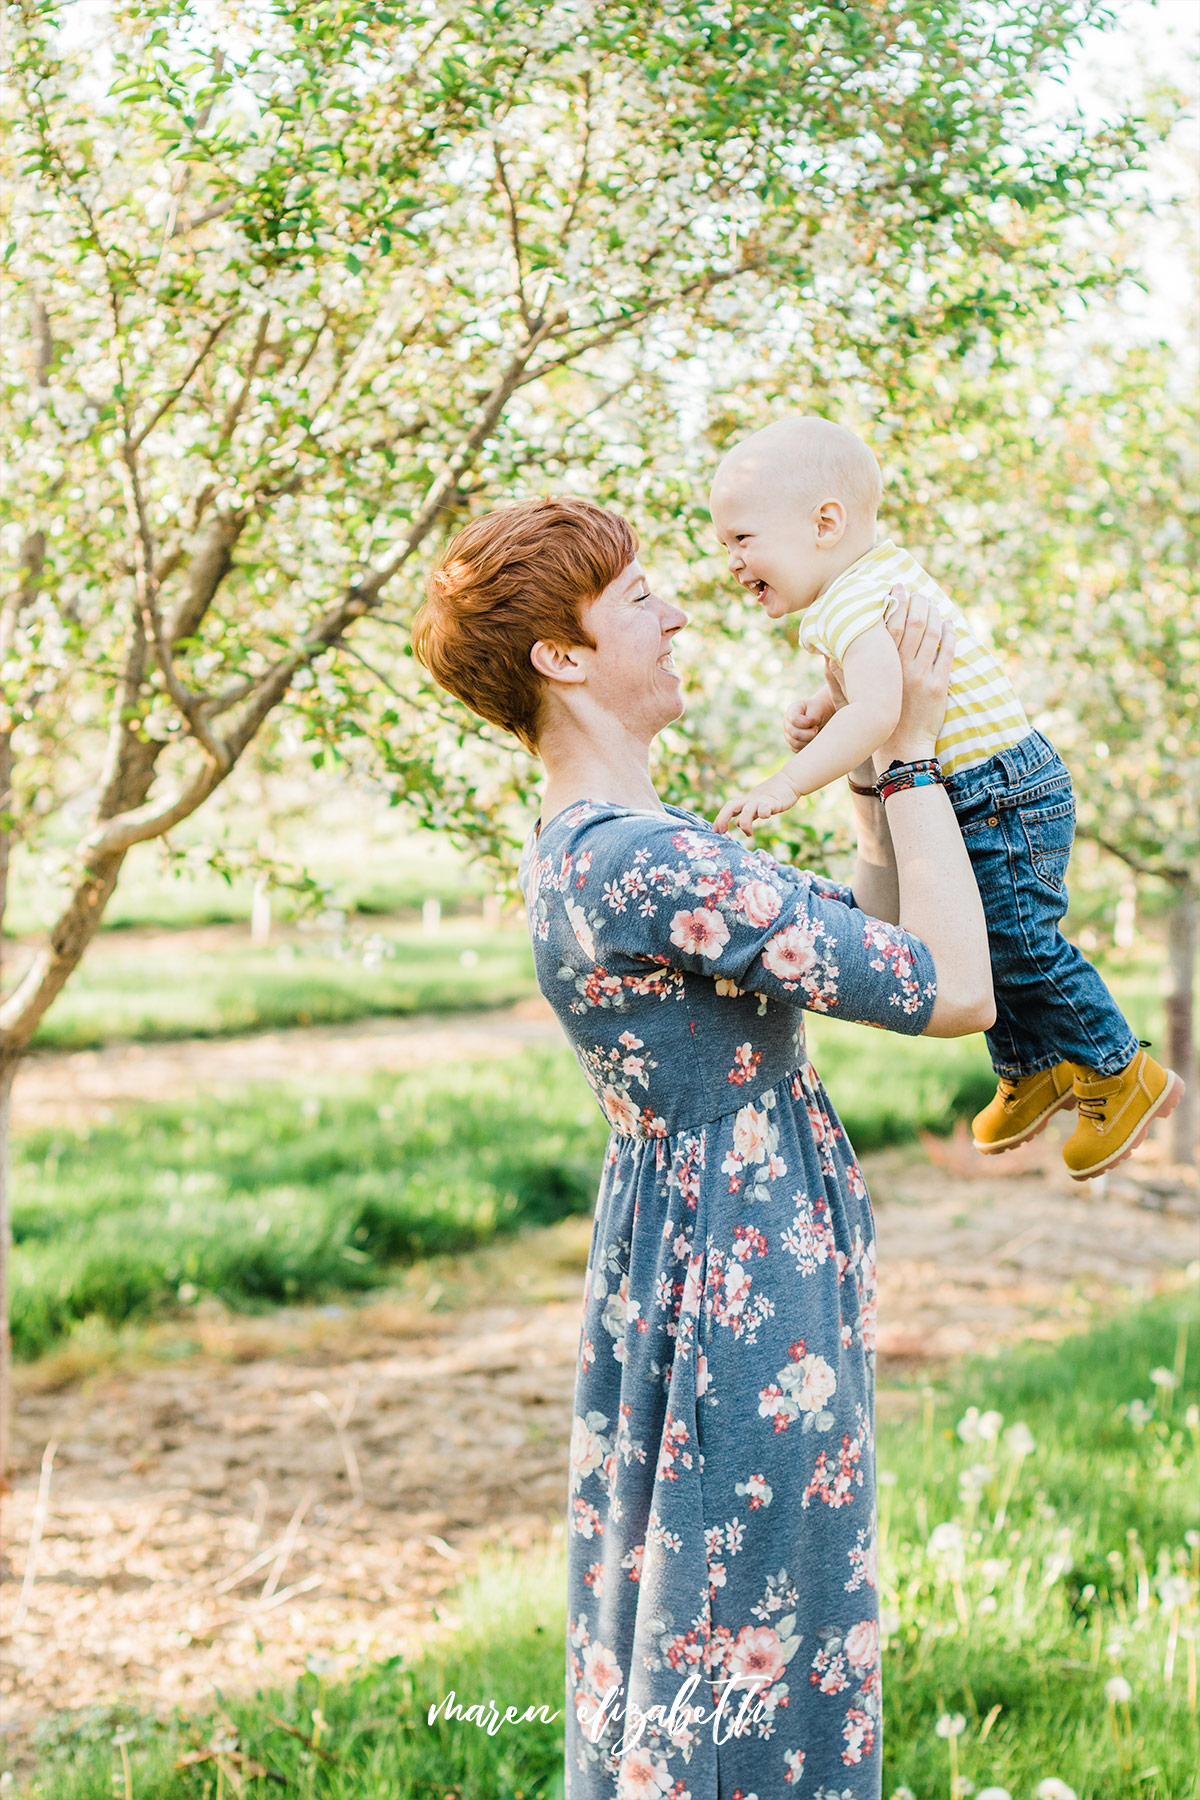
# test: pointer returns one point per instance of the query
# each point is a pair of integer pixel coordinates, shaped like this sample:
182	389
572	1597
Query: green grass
296	1194
293	1194
158	991
1088	1574
364	868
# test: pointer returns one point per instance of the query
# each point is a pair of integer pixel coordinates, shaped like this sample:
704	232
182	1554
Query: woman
723	1639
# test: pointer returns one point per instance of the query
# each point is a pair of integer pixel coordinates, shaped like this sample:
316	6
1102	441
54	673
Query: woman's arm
938	899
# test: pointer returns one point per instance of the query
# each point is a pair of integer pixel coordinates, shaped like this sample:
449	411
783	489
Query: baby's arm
804	718
873	682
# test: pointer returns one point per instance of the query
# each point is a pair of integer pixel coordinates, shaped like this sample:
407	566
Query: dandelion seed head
951	1725
1173	1591
993	1793
1054	1789
1139	1414
946	1539
972	1481
1020	1440
1164	1378
320	1666
1117	1691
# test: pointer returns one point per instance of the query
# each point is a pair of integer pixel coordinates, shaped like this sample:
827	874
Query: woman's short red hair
507	580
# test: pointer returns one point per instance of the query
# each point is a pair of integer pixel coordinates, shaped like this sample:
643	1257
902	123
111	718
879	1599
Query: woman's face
631	672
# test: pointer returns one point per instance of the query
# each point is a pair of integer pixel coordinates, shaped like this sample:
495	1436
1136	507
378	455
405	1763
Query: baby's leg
1017	814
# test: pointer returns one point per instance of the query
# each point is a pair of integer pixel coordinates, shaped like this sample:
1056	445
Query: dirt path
208	1524
78	1084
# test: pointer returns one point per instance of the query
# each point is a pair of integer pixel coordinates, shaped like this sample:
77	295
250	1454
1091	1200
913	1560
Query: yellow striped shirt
983	713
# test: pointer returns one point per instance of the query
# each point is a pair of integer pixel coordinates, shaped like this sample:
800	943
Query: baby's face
772	539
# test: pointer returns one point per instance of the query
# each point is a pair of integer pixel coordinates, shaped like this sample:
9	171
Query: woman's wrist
908	749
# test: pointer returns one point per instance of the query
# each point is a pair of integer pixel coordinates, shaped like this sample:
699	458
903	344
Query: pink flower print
594	1578
622	1113
692	1287
758	1654
601	1669
643	1777
675	1435
748	1241
581	928
864	1560
703	1378
790	953
586	1521
757	1489
859	1733
774	1404
737	1287
862	1645
818	1384
758	902
745	1065
795	1765
750	1134
589	1711
627	1041
587	1451
700	933
729	990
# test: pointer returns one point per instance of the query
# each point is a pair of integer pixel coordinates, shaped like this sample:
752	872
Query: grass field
160	990
295	1194
299	1193
1038	1593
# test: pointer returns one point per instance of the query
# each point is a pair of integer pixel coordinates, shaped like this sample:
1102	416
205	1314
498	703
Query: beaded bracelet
898	776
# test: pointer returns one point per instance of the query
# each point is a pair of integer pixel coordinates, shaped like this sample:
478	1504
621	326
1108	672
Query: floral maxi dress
723	1638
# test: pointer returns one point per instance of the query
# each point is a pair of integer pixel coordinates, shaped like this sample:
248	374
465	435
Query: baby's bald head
805	459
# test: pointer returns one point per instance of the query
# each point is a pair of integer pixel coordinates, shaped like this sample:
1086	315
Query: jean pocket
1049	832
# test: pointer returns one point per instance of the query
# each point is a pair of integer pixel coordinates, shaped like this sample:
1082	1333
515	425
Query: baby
794	506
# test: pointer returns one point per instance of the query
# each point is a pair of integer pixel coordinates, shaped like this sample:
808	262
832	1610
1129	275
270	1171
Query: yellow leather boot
1022	1106
1115	1113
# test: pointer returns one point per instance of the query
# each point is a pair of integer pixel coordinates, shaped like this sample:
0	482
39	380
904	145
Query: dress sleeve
667	893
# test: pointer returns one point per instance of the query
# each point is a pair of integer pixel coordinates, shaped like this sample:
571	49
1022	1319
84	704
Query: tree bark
8	1069
1181	1040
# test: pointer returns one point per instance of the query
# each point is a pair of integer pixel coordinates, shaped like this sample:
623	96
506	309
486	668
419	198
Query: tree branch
156	633
234	409
514	232
1176	877
162	410
582	181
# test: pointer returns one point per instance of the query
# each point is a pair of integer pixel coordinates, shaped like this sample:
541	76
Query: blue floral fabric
723	1637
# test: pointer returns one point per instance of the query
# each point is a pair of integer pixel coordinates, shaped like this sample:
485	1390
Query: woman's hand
926	644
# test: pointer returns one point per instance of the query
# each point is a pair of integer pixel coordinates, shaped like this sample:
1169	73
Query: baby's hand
758	803
804	718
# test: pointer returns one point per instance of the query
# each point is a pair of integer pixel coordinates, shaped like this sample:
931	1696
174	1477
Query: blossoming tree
286	291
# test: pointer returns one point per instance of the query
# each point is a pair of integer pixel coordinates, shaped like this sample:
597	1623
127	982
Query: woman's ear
557	662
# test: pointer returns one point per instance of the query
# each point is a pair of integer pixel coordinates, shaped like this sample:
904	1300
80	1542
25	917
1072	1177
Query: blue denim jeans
1017	816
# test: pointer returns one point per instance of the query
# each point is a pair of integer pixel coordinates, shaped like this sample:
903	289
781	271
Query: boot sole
1063	1103
1166	1103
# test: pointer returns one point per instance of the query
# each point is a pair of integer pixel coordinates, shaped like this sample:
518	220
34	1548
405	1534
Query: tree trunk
1181	1041
7	1070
